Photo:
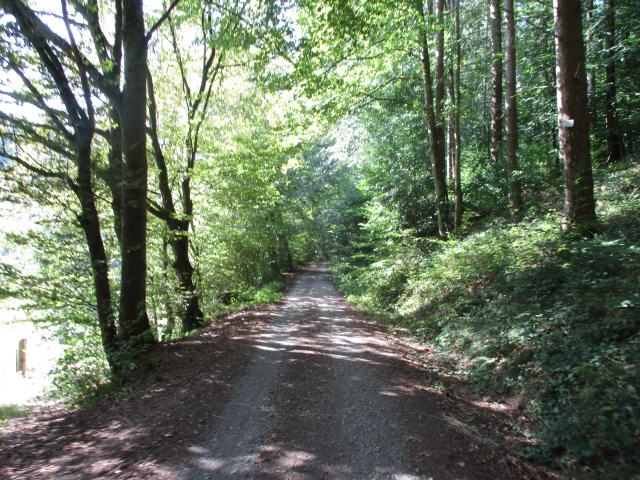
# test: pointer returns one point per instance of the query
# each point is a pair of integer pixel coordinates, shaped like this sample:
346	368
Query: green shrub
268	293
10	410
82	370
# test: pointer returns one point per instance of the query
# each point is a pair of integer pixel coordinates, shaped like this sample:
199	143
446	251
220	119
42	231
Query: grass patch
8	411
268	293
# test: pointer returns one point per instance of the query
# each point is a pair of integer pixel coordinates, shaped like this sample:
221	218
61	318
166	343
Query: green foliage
82	372
268	293
528	310
8	411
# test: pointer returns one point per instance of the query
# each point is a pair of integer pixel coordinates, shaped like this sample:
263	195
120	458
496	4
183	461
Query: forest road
328	394
300	390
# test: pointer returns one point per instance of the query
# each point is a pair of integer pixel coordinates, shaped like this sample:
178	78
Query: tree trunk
99	264
166	296
133	316
450	140
614	143
591	74
573	116
435	124
496	75
457	185
515	188
192	316
115	172
115	140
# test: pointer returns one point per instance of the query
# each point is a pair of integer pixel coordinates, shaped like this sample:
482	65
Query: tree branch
51	113
33	168
161	20
86	89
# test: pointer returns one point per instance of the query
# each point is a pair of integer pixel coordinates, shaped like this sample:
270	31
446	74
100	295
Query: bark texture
133	313
515	187
496	76
573	115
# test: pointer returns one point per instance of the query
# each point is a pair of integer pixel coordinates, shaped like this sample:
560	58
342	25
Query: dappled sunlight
316	391
322	396
279	462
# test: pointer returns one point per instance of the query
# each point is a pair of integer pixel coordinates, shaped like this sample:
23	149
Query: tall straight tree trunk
133	314
457	183
591	74
115	171
433	107
614	143
573	116
496	75
450	139
515	188
441	164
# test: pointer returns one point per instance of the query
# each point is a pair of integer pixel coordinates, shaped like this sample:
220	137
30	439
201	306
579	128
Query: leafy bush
268	293
82	370
11	411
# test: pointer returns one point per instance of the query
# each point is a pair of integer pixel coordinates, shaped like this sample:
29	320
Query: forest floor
303	389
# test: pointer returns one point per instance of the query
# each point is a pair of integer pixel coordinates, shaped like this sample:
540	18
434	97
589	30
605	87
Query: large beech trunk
133	313
573	115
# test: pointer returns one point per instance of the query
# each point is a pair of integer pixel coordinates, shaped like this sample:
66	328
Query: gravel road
318	400
301	390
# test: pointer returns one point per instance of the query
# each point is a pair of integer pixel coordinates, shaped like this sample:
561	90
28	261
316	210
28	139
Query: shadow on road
303	390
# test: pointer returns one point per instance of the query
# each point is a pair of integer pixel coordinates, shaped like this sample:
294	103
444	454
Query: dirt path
311	404
304	390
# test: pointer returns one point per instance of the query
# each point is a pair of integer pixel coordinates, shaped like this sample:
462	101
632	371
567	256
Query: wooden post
21	357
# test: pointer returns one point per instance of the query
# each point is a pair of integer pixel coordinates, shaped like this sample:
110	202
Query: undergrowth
11	410
82	375
529	311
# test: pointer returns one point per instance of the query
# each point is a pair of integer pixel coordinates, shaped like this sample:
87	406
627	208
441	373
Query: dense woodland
469	167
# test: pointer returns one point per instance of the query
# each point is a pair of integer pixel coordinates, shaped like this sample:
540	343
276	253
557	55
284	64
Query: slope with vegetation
525	311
